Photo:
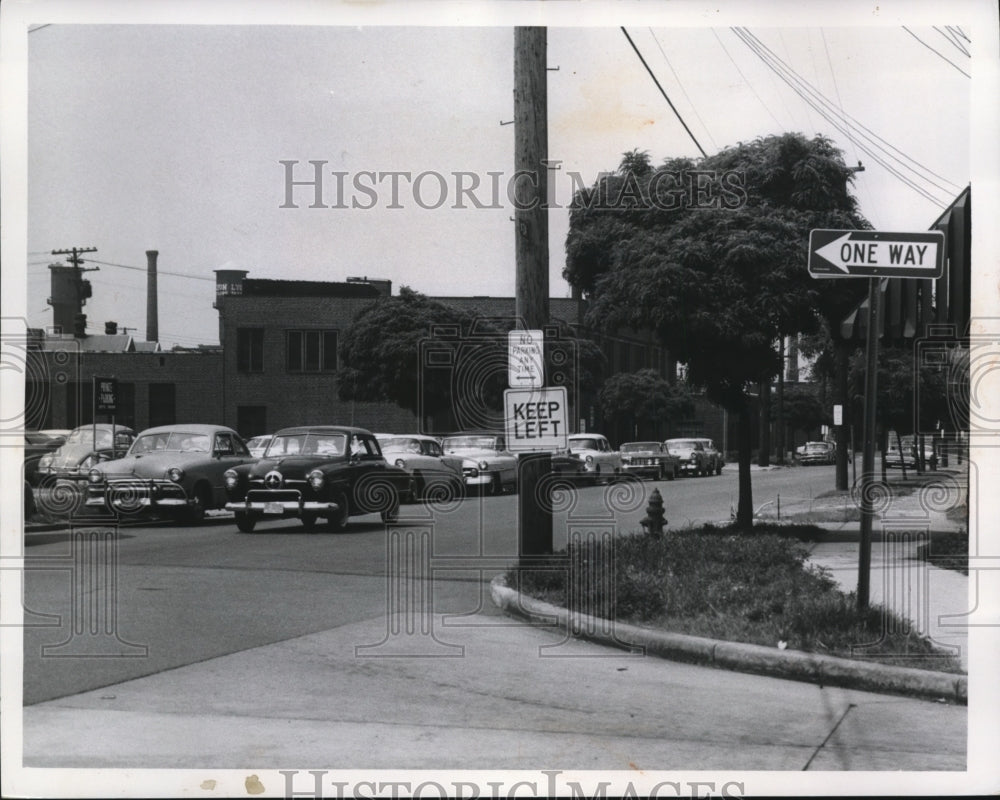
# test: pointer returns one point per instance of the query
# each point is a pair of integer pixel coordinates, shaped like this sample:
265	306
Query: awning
914	307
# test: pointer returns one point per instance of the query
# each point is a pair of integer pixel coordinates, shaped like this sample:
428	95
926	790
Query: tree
803	410
721	276
644	397
441	362
381	355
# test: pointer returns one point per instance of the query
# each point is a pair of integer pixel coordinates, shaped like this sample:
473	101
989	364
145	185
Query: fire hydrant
654	520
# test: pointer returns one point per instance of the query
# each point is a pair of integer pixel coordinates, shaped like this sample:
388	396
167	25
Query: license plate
274	508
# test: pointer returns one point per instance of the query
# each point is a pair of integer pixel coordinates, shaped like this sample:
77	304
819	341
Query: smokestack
152	325
80	325
110	328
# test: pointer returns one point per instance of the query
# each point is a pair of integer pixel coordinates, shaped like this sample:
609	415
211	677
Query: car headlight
400	463
95	476
231	478
484	465
589	459
175	474
316	479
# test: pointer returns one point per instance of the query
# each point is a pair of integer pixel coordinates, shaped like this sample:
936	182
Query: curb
737	656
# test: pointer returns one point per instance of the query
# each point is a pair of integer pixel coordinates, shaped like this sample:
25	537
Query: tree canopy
437	360
644	396
711	256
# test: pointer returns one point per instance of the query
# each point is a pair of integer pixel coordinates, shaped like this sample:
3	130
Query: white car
486	463
600	462
431	471
691	452
258	444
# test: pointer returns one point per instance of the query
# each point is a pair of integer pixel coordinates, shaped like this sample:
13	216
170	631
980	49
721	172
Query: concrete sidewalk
503	695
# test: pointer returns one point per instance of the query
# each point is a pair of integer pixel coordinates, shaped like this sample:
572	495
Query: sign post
873	255
535	422
105	402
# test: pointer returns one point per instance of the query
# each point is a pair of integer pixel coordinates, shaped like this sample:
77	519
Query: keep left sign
536	419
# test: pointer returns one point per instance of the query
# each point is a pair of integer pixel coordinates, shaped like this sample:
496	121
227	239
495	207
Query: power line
952	39
841	126
651	75
838	123
935	52
683	90
852	121
842	121
744	77
158	271
840	105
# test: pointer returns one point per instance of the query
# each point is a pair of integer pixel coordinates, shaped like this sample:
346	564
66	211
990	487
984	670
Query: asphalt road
186	593
237	630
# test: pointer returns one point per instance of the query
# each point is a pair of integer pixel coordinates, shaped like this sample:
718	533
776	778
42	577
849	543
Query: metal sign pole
93	408
868	458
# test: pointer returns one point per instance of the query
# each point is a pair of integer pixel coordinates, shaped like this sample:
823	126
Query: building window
250	349
311	351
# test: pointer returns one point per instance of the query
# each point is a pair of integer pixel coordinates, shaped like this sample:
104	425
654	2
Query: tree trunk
744	510
764	455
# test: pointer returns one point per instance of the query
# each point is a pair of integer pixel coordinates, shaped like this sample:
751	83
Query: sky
171	137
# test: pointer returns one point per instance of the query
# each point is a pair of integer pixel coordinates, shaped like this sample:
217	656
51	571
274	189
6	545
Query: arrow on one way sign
867	254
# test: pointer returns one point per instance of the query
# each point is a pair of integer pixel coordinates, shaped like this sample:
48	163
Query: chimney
111	328
80	325
152	325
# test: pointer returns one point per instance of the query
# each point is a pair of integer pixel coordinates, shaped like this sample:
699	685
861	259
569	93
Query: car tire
337	522
673	474
495	486
418	488
245	522
391	514
718	469
308	520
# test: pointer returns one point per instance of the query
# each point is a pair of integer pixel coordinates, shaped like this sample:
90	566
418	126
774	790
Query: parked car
691	453
172	469
910	450
716	461
486	463
649	458
601	463
85	447
319	471
817	453
258	444
36	445
432	473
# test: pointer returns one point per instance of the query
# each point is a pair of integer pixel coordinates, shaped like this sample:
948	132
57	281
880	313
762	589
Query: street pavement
503	695
484	691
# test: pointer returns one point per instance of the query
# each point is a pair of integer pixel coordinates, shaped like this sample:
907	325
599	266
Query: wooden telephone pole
532	256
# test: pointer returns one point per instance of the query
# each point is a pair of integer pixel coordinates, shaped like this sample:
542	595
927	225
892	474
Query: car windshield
818	447
584	444
173	440
640	447
319	444
470	443
682	444
86	437
403	444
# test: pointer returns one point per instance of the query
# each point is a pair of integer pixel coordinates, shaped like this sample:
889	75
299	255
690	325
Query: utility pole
532	256
69	290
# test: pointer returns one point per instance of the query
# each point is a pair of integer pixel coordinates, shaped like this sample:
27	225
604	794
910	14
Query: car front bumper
135	495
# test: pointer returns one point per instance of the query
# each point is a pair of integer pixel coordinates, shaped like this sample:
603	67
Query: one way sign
868	254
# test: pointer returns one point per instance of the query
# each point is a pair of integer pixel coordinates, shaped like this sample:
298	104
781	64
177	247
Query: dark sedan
314	472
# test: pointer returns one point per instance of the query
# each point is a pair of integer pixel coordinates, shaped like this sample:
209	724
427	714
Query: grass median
717	583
